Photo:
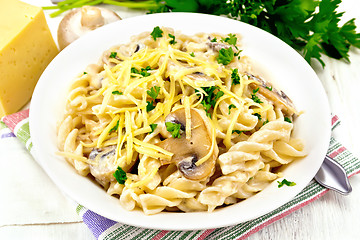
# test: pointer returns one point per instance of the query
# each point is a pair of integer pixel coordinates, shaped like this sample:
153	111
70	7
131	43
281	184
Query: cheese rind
26	48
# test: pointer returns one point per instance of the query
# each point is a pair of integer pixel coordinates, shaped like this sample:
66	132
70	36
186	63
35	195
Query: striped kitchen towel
103	228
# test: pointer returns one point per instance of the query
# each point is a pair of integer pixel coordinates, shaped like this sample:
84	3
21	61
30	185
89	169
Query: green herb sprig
120	175
212	96
285	182
174	129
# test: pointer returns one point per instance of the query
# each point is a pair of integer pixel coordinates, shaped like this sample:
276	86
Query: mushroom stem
91	17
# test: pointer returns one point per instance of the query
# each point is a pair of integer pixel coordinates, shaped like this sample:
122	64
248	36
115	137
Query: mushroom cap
188	151
82	20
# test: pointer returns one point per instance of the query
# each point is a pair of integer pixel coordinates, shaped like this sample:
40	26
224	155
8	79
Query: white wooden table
32	207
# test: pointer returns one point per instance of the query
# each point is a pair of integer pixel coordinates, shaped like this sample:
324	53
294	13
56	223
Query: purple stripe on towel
8	135
97	223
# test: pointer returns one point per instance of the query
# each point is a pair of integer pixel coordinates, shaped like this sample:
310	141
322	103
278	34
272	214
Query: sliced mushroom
82	20
188	151
104	165
278	97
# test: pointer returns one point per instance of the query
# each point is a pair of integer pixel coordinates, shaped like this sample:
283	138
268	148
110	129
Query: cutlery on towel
333	176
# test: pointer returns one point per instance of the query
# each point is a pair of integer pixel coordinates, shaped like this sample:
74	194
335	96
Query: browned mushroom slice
188	151
278	97
82	20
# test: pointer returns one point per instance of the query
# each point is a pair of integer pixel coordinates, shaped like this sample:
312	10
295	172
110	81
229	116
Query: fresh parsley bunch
309	26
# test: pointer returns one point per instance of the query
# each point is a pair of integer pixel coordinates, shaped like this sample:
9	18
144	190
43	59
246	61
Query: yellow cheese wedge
26	48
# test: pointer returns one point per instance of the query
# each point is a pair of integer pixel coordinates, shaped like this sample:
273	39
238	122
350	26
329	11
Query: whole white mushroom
79	21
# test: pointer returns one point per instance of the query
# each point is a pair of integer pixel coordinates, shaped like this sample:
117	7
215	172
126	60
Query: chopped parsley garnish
172	41
156	33
230	107
213	40
235	76
192	54
225	56
258	115
286	119
269	88
115	128
120	175
85	73
113	55
209	100
150	106
173	128
237	54
236	131
267	120
232	39
254	97
285	182
117	92
134	70
153	127
153	92
143	72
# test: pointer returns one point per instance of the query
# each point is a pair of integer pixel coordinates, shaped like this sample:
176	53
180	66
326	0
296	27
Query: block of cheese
26	48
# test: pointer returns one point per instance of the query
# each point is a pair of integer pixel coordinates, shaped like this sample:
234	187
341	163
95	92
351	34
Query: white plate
277	62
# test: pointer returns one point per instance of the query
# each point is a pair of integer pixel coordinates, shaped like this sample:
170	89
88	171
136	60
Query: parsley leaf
232	39
285	182
153	127
230	107
286	119
235	76
258	115
150	106
192	54
172	41
156	33
143	72
269	88
113	55
254	97
236	131
117	92
115	128
225	56
212	96
120	175
173	128
153	92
